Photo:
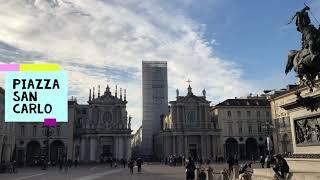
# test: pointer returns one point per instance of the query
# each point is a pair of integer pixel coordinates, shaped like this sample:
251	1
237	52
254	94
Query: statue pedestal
304	165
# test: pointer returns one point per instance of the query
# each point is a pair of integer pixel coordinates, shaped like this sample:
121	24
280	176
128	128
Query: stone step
268	174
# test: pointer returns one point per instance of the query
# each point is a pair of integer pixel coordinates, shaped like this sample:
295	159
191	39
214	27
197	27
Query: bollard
235	175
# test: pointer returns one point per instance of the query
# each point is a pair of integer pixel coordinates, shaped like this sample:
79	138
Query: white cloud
119	34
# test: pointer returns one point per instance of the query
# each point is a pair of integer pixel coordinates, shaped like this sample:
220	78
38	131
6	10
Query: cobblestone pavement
102	172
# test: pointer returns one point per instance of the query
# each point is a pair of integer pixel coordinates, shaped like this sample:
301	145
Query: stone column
204	116
186	154
115	147
121	147
214	152
93	149
173	145
208	146
206	120
180	141
202	147
82	149
128	148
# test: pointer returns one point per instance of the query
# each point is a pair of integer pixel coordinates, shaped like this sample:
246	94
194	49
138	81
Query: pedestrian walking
197	172
60	164
268	161
262	161
124	163
230	162
202	175
190	170
139	164
131	165
210	173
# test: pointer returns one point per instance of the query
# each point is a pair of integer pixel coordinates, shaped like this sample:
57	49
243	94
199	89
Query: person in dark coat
281	166
190	170
131	165
230	162
124	163
262	161
139	164
60	164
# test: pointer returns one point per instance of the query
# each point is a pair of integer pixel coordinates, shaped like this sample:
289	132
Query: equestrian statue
306	61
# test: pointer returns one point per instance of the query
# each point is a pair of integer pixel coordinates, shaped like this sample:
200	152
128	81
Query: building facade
94	132
103	128
155	102
7	136
187	130
31	140
282	135
241	121
136	143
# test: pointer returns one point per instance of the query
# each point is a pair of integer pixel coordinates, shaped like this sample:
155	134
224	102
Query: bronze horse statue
305	62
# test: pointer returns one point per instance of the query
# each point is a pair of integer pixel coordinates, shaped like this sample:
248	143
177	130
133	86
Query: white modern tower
155	101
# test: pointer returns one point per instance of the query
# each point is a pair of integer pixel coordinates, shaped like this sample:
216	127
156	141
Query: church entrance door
193	151
106	151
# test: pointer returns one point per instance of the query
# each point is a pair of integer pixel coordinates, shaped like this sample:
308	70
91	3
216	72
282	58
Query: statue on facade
306	61
129	123
204	92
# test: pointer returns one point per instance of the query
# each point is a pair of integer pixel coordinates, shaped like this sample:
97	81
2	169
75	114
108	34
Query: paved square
102	172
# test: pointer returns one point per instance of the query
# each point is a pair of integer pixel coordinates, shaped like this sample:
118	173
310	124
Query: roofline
287	93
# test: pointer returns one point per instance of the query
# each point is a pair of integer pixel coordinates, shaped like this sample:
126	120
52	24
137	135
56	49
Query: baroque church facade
187	130
103	129
94	132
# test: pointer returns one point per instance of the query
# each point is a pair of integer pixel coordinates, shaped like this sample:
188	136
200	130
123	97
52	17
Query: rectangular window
250	129
58	130
34	131
258	114
229	114
22	131
239	113
248	113
230	129
240	129
259	128
267	113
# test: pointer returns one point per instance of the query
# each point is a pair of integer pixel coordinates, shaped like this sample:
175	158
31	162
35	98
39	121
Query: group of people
10	167
173	160
66	163
280	167
139	164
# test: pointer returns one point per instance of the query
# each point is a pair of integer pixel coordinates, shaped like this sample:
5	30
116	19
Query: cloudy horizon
99	42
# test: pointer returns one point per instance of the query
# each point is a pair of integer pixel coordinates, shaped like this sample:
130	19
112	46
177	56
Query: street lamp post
268	129
48	133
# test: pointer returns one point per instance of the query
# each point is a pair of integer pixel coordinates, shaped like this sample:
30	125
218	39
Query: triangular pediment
192	99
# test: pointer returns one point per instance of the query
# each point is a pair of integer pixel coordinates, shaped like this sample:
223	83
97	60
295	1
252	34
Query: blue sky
229	47
252	33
